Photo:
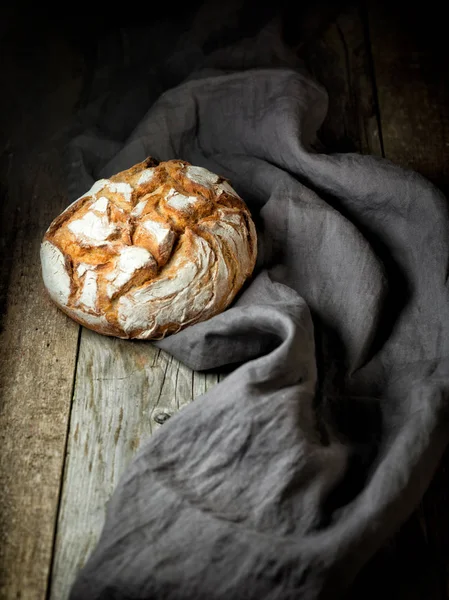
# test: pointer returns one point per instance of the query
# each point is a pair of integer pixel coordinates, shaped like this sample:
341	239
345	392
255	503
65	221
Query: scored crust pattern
150	250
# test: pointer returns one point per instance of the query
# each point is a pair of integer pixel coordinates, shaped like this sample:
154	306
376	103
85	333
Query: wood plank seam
363	7
64	465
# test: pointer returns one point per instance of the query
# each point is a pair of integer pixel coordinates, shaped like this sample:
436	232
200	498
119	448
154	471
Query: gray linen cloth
284	479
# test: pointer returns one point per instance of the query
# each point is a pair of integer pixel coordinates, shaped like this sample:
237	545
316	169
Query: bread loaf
149	251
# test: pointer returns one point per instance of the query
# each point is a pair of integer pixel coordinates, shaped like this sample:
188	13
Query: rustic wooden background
76	406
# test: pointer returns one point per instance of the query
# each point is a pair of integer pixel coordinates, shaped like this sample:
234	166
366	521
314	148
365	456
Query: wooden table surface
75	406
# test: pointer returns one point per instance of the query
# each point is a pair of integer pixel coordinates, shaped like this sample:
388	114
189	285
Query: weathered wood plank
124	391
41	84
410	57
339	60
410	61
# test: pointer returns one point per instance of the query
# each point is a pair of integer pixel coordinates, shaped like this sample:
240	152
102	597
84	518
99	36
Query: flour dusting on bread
150	250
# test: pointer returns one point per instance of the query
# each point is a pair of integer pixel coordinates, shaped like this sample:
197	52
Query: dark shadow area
358	422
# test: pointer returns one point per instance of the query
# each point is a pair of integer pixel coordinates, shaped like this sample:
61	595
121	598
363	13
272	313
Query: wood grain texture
124	391
410	61
37	343
339	60
410	57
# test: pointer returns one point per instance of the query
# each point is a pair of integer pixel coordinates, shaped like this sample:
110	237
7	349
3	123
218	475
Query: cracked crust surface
150	250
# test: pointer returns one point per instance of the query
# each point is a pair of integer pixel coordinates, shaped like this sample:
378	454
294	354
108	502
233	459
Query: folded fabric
284	479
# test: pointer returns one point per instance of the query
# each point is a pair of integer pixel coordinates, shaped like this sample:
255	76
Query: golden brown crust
150	250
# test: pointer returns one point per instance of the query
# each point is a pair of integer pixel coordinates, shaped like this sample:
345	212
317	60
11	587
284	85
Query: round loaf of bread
150	250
